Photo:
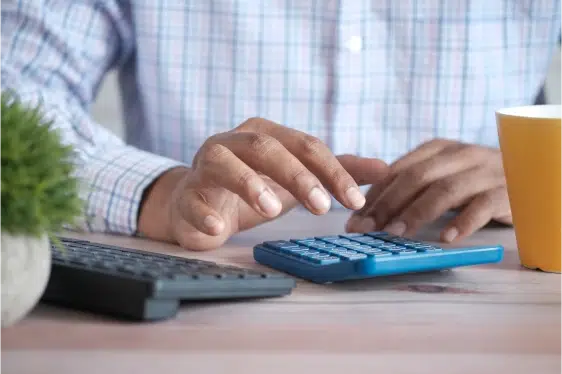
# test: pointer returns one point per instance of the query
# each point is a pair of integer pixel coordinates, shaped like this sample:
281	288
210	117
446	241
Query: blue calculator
327	259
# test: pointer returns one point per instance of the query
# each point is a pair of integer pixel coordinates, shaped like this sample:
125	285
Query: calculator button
340	241
281	244
351	235
347	254
371	251
329	260
367	240
305	241
428	248
352	257
333	237
297	251
406	251
382	254
309	253
322	259
378	234
320	246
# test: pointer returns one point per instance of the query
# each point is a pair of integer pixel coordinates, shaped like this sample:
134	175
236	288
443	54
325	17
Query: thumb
363	169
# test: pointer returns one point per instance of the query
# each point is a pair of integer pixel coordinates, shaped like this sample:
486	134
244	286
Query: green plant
39	192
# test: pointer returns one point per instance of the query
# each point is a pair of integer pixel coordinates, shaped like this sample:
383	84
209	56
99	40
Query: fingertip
450	234
319	201
269	204
354	197
214	225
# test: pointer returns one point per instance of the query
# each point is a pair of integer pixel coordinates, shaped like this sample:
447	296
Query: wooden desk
487	319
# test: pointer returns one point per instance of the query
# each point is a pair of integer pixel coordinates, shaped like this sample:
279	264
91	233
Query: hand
438	176
247	176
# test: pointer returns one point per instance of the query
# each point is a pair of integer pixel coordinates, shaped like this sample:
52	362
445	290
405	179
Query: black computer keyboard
138	285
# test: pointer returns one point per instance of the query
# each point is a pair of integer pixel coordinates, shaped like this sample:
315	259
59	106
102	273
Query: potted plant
39	197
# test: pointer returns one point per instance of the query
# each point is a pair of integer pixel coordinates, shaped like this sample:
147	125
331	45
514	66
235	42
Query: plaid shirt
374	78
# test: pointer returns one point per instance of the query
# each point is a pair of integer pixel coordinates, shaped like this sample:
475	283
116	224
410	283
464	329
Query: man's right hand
247	176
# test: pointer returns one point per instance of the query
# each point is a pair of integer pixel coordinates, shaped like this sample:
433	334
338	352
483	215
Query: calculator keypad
326	250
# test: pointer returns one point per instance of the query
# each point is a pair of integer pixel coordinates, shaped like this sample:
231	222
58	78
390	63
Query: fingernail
213	223
319	200
269	203
450	234
355	197
396	228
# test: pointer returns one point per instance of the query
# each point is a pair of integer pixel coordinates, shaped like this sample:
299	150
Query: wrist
154	213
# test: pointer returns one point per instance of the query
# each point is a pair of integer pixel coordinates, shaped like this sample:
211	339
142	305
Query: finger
412	181
256	152
373	193
363	169
248	218
421	153
217	165
316	157
481	210
440	197
195	210
362	220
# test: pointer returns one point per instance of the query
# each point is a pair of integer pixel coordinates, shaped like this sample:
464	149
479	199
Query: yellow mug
529	139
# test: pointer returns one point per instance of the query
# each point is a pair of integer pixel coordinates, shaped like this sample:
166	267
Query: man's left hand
438	176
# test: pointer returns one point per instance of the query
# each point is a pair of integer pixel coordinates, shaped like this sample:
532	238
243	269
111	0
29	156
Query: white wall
107	109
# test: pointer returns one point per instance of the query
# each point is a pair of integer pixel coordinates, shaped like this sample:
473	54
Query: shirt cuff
113	184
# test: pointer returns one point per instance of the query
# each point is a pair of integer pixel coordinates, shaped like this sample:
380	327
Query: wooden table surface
485	319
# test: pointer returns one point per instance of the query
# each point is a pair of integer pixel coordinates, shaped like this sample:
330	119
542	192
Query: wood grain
483	319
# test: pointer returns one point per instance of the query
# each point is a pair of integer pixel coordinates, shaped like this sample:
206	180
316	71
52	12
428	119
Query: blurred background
107	109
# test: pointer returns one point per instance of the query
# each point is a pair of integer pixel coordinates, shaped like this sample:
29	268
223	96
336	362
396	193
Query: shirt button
354	44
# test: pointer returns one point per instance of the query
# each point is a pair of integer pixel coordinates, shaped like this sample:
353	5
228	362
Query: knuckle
446	187
212	152
340	177
414	176
296	175
261	143
311	144
245	180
